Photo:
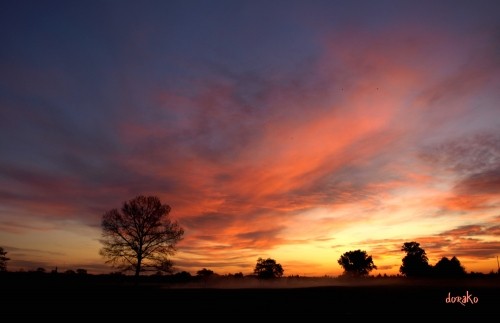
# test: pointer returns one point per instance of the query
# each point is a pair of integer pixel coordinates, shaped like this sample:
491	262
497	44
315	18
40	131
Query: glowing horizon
296	133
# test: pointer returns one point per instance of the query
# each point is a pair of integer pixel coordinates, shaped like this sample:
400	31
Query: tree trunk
138	268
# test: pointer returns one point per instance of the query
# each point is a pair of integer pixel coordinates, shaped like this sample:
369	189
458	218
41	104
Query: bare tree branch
141	236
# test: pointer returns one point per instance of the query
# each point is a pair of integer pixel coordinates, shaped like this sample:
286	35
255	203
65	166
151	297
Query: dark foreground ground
88	300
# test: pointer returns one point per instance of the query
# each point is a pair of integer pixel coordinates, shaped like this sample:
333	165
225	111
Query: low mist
299	282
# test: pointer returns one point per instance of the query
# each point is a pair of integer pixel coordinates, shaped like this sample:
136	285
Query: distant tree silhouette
268	269
81	271
238	275
415	263
205	273
449	268
3	260
141	236
182	276
116	273
356	263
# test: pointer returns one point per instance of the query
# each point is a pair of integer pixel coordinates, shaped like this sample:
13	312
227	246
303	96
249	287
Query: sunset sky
295	130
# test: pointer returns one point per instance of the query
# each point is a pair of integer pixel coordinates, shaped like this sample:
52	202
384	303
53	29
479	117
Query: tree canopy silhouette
3	260
415	263
449	268
206	273
356	263
268	269
141	236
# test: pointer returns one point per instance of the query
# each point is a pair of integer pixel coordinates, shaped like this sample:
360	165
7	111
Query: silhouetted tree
205	273
356	263
3	260
415	263
116	273
141	236
182	276
268	269
81	271
449	268
238	275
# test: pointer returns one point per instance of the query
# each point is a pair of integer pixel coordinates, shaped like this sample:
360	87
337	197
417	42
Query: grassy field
89	299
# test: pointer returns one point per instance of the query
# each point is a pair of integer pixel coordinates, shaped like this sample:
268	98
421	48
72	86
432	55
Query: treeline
140	237
415	264
182	278
356	264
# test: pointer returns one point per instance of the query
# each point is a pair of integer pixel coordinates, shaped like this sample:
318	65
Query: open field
95	300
